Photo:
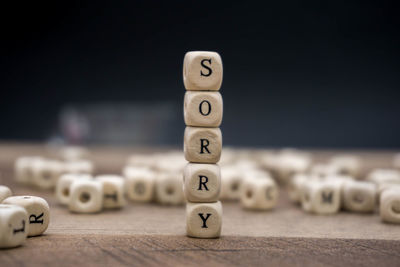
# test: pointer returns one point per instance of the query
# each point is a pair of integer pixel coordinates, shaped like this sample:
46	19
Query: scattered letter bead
5	192
113	191
38	212
321	197
202	70
86	196
64	184
202	145
259	193
13	225
203	220
46	173
359	196
169	189
202	182
139	183
231	180
203	109
390	205
24	169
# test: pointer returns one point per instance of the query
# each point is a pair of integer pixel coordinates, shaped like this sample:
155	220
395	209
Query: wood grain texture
149	234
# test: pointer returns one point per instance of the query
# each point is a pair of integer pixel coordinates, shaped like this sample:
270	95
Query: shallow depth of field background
296	73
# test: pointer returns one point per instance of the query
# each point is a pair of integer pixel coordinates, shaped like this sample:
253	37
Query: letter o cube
203	109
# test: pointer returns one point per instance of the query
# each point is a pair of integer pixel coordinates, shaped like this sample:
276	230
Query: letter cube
359	196
46	173
202	182
5	192
140	183
347	165
169	189
259	193
23	169
389	208
38	212
202	70
321	197
202	145
13	225
203	220
294	186
113	191
64	183
203	109
86	196
231	180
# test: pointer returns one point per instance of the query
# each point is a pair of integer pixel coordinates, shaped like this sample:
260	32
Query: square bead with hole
203	109
231	180
204	220
38	212
202	182
202	70
259	193
139	184
64	184
202	145
13	225
46	173
389	207
359	196
86	196
169	189
113	191
23	169
321	196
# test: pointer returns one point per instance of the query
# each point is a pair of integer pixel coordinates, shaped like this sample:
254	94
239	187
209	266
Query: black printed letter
204	145
203	183
204	219
208	68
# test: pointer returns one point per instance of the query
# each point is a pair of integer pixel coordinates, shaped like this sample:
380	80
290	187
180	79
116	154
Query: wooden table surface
150	234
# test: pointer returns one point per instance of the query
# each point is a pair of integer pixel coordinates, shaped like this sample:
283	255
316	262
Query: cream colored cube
140	183
347	165
259	193
231	180
202	182
203	109
203	220
202	70
390	205
79	166
38	212
64	183
5	192
359	196
86	196
384	176
14	225
113	191
321	197
202	145
23	169
295	185
46	173
169	189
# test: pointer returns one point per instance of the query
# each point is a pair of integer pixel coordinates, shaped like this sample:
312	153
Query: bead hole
84	197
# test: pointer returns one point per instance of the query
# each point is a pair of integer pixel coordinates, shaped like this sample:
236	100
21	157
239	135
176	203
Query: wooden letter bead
38	212
13	225
294	187
5	192
231	180
64	184
169	189
259	193
359	196
202	70
140	184
202	182
321	197
113	191
202	145
203	109
203	220
86	196
46	173
23	169
390	205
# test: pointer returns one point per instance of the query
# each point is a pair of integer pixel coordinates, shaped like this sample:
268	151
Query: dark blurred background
296	73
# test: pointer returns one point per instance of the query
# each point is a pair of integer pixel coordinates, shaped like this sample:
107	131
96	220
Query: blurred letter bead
86	196
202	145
113	191
64	184
390	205
139	184
259	193
202	182
24	169
46	173
38	212
5	192
13	225
169	189
359	196
231	180
203	109
204	220
320	197
202	70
